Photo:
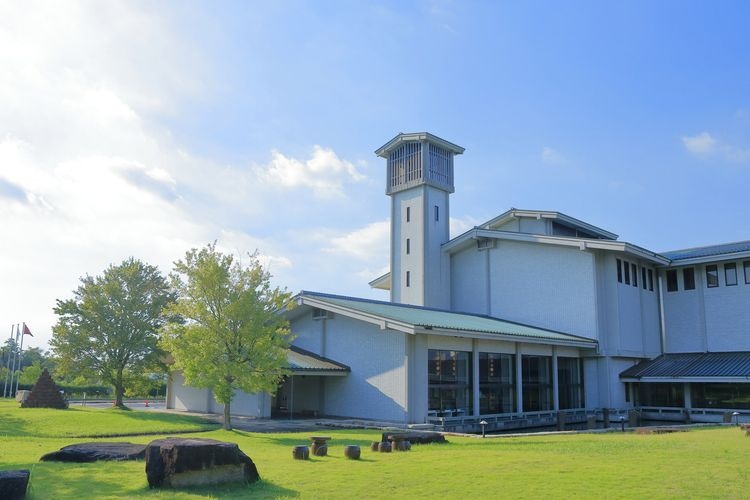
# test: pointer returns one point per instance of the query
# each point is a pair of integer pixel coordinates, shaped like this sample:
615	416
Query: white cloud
699	144
324	172
550	156
369	243
704	144
460	226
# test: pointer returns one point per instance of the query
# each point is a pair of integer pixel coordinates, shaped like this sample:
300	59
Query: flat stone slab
91	452
415	437
13	484
178	462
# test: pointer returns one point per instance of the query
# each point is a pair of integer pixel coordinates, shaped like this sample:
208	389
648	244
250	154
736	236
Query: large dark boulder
91	452
175	462
415	437
45	394
13	484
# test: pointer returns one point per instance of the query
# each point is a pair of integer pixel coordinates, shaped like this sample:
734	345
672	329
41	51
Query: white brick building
528	314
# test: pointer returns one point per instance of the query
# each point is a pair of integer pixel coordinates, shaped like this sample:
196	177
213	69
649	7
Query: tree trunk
119	390
227	417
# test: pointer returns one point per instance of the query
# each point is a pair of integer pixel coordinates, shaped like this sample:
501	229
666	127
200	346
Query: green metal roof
445	320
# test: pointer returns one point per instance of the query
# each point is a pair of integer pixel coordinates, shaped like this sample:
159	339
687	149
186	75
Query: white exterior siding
376	387
684	314
708	319
425	262
543	285
188	398
470	281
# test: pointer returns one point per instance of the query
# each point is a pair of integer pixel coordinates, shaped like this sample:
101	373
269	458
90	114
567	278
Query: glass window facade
537	382
449	381
727	396
497	390
570	383
658	394
746	265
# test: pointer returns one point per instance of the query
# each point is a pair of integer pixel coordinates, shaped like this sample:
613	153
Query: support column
475	376
688	396
519	381
555	381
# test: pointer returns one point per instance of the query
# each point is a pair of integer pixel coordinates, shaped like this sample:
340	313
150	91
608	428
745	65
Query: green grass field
708	463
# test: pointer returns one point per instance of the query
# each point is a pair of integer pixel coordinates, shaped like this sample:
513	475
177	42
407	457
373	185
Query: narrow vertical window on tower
407	279
650	280
408	246
408	214
643	277
635	274
730	274
672	280
626	268
619	270
712	276
688	278
437	213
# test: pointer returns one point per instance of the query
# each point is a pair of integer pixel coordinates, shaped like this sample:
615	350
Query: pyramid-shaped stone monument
45	394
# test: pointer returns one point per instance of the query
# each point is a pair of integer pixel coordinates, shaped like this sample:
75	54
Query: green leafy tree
110	325
230	336
30	374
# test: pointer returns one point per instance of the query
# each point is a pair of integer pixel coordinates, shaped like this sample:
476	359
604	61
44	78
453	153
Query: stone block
178	462
91	452
13	484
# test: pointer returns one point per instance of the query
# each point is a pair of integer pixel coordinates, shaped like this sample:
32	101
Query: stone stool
319	445
375	445
384	447
352	452
301	452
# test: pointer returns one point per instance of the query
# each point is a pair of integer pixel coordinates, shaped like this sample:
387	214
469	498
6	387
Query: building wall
542	285
629	314
428	276
376	387
707	319
188	398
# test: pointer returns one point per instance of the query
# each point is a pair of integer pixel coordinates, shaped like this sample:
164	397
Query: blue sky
142	128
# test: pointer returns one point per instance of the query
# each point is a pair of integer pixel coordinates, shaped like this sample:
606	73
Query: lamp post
622	423
736	416
483	423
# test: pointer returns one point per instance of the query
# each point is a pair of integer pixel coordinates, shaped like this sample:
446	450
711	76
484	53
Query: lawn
700	463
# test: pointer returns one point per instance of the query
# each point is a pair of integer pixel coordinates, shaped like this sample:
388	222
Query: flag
26	330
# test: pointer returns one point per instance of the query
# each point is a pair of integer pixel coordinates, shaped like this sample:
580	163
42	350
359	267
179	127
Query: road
133	405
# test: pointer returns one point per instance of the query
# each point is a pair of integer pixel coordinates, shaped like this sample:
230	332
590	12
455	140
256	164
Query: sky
144	129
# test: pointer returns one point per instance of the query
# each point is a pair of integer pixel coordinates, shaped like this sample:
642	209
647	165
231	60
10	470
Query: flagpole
13	369
20	356
7	363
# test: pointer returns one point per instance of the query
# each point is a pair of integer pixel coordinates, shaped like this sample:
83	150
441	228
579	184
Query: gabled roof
737	250
415	319
567	220
686	367
382	282
305	362
389	146
581	243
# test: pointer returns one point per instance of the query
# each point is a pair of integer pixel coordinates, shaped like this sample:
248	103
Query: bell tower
419	181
